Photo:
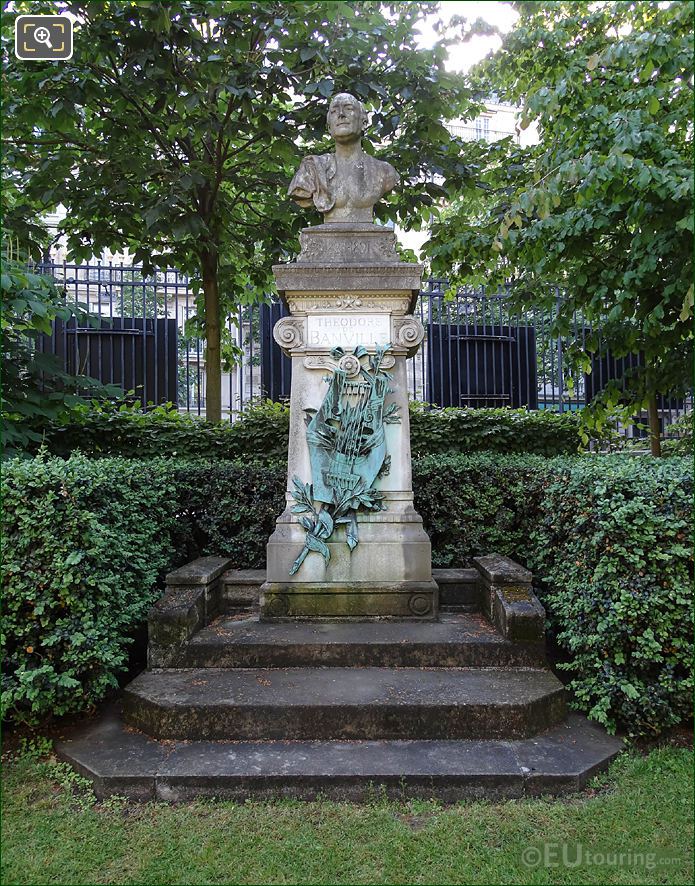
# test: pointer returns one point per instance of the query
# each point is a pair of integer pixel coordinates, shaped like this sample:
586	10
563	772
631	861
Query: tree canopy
175	128
602	206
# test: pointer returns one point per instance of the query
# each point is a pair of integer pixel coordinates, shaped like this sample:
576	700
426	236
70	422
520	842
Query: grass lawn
54	832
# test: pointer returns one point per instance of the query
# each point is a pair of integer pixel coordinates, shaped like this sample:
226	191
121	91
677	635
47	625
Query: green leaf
325	524
300	509
352	533
315	544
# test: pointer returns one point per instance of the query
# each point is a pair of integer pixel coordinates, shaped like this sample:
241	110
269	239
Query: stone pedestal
348	288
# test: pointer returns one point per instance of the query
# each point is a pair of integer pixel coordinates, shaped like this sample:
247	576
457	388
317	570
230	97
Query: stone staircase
231	706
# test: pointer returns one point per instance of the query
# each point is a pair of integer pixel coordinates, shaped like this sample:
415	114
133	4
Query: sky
465	55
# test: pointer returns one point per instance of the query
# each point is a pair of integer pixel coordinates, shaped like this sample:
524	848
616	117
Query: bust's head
347	118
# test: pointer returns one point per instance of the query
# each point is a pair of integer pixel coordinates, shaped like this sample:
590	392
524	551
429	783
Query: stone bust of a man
344	186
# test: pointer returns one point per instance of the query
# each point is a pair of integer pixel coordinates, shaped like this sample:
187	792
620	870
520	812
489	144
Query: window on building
482	127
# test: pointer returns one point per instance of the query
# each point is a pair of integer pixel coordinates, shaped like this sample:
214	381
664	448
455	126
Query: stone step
461	640
344	703
125	762
458	589
241	589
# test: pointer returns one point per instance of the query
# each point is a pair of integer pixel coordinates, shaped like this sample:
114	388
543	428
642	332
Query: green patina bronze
347	449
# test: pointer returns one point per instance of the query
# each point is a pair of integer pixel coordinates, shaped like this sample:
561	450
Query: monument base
387	575
329	601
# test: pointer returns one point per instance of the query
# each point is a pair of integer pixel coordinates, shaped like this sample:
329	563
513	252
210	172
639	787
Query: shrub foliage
608	540
262	429
35	389
452	429
613	548
85	543
119	429
477	503
88	540
230	508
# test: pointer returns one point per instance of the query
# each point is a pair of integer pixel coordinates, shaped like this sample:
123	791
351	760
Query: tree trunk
213	370
654	425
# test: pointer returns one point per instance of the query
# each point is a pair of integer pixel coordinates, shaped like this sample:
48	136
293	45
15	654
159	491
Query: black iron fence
477	351
136	353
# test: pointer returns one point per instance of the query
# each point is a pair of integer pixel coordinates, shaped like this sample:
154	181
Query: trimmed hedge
609	541
85	544
505	430
87	541
613	547
261	432
478	503
229	508
107	430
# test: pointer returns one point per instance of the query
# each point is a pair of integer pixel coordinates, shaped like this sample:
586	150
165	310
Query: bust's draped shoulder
316	180
312	182
387	175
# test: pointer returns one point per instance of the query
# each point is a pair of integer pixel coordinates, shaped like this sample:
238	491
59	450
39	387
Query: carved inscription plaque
348	330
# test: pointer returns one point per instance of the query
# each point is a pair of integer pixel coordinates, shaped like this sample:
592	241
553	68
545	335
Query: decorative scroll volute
408	333
288	332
